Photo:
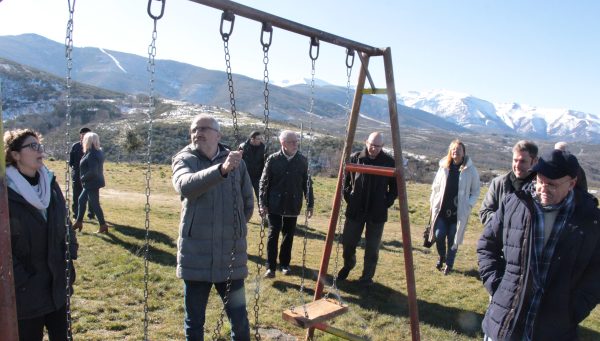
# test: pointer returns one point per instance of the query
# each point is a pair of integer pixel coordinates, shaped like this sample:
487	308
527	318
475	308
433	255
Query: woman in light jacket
38	226
91	171
454	191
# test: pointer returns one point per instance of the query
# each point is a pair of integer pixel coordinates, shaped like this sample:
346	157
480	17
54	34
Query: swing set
310	316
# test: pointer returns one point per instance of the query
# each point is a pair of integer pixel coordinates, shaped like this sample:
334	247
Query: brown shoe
78	225
103	229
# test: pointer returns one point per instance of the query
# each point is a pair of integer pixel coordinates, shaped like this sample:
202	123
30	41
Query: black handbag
426	241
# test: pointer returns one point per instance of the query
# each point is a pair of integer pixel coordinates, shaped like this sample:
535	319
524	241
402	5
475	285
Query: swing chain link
266	28
313	42
151	68
349	64
237	225
229	16
68	259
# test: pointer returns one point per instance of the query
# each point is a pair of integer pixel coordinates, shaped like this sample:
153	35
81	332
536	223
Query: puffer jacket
369	196
91	169
572	287
468	193
283	184
38	252
209	225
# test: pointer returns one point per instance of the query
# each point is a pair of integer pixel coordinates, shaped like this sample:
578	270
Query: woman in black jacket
91	171
38	238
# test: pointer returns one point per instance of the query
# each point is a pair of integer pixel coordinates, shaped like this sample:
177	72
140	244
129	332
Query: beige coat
468	193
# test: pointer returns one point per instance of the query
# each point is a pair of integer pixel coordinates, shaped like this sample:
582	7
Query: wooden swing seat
318	311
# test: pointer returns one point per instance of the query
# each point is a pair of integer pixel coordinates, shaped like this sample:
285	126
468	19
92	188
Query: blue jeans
196	298
93	195
444	240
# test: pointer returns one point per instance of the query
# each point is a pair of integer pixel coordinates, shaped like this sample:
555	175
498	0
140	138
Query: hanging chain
266	28
314	43
151	68
68	260
237	225
349	64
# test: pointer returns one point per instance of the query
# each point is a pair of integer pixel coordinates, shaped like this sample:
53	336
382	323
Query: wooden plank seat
318	311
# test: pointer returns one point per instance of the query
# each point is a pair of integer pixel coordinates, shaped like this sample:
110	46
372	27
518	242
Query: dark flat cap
557	164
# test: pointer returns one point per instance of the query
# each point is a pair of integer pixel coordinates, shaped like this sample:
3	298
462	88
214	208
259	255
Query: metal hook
227	16
162	9
349	58
71	7
314	41
266	28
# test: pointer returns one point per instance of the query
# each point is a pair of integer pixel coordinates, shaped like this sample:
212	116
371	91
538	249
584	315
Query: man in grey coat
524	157
217	202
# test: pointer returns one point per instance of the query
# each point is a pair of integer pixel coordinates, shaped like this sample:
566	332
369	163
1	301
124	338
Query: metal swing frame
365	52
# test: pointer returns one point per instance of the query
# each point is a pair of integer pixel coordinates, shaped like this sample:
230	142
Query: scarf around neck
37	196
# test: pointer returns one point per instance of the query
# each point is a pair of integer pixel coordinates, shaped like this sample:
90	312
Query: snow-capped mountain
484	116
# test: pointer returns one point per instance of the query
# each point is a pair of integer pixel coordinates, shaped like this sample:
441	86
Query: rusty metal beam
8	309
373	170
402	198
288	25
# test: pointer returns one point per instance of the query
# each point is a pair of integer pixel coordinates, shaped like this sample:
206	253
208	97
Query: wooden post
402	198
8	311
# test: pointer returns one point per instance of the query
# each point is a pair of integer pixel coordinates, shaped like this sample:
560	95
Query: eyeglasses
291	142
375	145
203	129
38	147
550	187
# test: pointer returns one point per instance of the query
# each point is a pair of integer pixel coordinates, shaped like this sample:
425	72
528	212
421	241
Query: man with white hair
581	178
283	184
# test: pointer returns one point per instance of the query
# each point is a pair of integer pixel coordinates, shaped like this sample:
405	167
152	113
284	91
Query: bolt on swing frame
364	53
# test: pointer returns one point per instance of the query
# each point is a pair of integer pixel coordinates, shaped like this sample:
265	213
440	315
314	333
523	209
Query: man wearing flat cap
539	257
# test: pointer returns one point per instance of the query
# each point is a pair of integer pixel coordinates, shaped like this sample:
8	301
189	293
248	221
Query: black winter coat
74	159
91	169
573	283
369	196
283	184
38	251
254	157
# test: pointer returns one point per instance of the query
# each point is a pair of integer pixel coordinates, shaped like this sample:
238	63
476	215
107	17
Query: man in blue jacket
539	257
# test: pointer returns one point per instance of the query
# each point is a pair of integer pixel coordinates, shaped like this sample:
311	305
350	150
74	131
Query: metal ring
227	16
266	28
162	9
314	42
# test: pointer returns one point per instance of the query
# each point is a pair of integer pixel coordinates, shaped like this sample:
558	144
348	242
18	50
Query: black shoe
91	216
447	270
343	274
440	263
286	270
269	274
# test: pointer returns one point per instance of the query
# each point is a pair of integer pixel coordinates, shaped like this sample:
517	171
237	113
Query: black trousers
351	237
287	226
55	323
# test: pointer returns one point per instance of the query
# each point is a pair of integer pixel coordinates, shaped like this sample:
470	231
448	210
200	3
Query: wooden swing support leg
403	199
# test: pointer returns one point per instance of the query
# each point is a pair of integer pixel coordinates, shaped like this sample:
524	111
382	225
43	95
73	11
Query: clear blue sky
543	53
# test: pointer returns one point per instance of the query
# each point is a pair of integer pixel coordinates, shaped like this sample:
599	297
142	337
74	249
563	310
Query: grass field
108	303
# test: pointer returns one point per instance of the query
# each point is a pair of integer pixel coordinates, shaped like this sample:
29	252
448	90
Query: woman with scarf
38	223
454	191
91	171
